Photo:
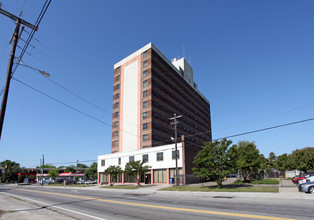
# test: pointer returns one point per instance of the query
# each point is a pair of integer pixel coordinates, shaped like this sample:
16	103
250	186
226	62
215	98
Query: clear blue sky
252	60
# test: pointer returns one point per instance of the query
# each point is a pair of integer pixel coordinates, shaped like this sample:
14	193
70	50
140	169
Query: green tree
47	166
136	169
81	165
247	159
91	172
53	173
11	171
283	162
214	161
113	171
302	159
70	169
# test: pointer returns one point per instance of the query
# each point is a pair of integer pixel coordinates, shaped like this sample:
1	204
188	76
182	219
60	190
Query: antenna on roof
183	50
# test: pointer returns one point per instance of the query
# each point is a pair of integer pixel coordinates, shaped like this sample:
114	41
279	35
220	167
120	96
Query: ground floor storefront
154	176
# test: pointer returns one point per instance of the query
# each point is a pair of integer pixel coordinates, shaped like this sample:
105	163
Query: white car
307	179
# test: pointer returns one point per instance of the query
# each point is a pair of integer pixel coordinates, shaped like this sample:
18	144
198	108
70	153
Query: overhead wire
30	37
69	106
165	141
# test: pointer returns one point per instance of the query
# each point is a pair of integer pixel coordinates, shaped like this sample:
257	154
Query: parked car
91	182
297	179
308	179
80	182
307	187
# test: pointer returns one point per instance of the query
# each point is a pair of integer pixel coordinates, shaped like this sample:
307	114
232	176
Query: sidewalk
19	209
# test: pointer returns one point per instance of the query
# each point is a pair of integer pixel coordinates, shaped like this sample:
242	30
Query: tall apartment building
148	89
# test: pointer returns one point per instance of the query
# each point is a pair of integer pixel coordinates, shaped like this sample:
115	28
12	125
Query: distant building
148	89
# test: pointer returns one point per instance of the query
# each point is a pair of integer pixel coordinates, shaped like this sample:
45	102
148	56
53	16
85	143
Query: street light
8	79
42	72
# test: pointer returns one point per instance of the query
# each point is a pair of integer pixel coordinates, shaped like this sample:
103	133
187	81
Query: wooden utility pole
42	171
175	122
14	40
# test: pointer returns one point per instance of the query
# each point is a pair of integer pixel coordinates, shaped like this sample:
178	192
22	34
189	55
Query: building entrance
147	178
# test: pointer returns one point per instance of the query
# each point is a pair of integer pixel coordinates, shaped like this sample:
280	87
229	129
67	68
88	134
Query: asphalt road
118	204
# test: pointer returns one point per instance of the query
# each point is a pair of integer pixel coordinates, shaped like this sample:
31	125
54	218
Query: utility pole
42	171
76	165
14	39
175	122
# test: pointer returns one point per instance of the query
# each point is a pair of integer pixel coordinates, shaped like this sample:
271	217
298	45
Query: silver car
307	187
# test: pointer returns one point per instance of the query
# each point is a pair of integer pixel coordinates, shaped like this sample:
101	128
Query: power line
40	17
264	129
74	109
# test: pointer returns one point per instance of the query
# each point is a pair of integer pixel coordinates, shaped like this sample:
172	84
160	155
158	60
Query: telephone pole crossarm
15	18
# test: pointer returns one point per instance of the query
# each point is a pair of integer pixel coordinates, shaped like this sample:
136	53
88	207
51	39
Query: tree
91	172
11	171
137	169
302	159
70	169
53	173
282	162
214	161
47	166
81	165
247	159
113	171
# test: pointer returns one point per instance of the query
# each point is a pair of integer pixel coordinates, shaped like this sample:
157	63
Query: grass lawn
271	189
264	181
71	185
121	187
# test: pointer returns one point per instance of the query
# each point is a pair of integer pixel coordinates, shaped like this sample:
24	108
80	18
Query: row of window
145	157
197	110
190	92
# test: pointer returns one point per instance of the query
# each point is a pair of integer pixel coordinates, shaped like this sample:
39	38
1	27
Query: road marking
165	207
47	204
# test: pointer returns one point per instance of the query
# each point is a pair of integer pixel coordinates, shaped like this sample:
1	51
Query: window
160	156
116	105
146	146
174	155
145	63
119	160
145	93
145	73
145	126
145	83
116	96
102	163
145	137
116	134
117	87
116	124
145	54
145	157
118	78
156	137
131	158
116	114
145	115
145	104
116	143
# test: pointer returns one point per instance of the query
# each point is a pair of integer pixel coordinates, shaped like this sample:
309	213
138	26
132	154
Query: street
98	203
